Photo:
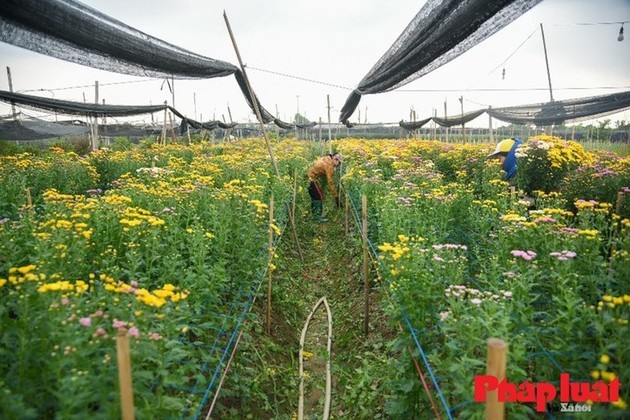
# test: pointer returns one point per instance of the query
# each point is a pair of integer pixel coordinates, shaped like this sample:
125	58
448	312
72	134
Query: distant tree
301	119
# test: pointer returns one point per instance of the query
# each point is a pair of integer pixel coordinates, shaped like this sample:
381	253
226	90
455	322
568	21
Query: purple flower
86	322
563	255
155	336
134	332
118	324
526	255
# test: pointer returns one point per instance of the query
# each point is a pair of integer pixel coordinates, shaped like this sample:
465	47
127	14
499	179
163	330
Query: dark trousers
315	191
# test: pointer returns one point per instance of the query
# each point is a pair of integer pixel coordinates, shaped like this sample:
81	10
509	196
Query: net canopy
540	114
453	121
559	112
72	31
35	129
441	31
414	125
19	130
78	108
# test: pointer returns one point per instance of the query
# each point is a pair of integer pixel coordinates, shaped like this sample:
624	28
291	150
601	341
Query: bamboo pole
295	187
164	126
461	101
347	216
262	124
29	200
124	376
95	121
170	118
366	281
497	350
328	106
13	112
270	248
445	117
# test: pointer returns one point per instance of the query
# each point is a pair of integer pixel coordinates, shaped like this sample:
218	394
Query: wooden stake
328	101
170	118
295	187
29	200
124	376
13	113
270	248
262	125
461	100
320	129
366	281
164	126
497	350
95	122
347	211
445	117
490	128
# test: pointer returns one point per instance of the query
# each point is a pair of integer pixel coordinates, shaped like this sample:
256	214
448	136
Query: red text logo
544	392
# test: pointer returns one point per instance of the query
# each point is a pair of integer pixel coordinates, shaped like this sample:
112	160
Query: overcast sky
336	43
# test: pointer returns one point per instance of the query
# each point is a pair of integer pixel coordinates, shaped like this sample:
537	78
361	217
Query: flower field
465	259
165	244
168	245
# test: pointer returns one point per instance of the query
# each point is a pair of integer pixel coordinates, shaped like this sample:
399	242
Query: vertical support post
497	350
164	126
366	280
29	200
320	129
277	127
262	125
328	106
170	119
95	121
124	376
490	128
542	32
295	188
11	90
270	248
434	125
347	226
461	101
173	91
445	117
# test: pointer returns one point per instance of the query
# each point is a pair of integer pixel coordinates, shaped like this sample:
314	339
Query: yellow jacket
324	166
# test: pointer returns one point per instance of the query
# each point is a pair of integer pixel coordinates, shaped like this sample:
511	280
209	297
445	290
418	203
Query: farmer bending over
325	165
506	153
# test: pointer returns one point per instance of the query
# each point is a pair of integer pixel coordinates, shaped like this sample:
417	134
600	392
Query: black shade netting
441	31
74	32
413	125
77	108
566	111
39	129
453	121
